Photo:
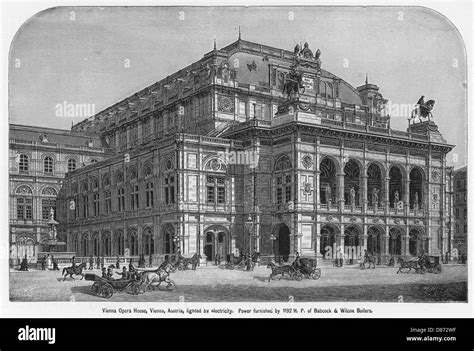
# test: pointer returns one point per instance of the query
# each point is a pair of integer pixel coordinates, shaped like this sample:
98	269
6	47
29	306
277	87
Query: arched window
71	165
23	164
328	181
168	234
322	89
120	243
416	188
352	181
106	245
133	241
48	165
329	91
148	242
85	246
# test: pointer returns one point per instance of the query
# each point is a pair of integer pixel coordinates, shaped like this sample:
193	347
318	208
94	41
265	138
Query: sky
100	55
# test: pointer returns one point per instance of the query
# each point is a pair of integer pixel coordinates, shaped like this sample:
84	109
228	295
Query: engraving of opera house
258	148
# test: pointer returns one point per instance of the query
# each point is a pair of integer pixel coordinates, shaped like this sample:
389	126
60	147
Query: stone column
364	198
387	194
406	196
340	190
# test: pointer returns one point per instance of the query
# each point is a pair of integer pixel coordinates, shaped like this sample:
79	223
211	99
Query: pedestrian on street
117	263
91	262
55	263
97	262
43	263
102	262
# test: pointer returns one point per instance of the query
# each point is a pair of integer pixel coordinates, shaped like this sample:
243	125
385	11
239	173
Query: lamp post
273	238
249	226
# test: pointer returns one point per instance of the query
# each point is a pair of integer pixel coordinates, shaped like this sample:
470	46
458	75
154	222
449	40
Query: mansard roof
53	135
348	93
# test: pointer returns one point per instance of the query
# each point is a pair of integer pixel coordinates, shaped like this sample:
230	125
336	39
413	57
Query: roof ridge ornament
304	57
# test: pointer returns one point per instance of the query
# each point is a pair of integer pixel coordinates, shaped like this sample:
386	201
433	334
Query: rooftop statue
422	110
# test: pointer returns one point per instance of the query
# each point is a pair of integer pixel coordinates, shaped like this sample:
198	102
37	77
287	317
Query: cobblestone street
214	284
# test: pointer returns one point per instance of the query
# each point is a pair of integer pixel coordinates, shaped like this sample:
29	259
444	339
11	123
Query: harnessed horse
158	276
74	271
193	261
371	260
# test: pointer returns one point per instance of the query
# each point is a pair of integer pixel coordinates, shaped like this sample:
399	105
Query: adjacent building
460	209
39	159
259	148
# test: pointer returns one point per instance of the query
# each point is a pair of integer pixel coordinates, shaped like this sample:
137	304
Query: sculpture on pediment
293	83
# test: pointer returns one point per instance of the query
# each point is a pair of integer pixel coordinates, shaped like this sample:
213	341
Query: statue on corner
422	110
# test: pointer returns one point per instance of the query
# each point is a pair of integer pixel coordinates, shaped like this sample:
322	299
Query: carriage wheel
135	287
438	269
316	273
298	276
95	288
107	291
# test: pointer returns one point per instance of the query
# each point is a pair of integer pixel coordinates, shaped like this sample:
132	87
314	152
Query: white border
14	14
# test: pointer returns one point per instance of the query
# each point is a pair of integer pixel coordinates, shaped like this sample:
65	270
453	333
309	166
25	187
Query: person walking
102	262
55	263
97	262
43	263
91	262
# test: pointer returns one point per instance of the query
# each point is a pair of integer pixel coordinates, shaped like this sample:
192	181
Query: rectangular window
279	195
288	193
121	199
108	202
149	194
134	197
96	205
85	206
169	189
211	197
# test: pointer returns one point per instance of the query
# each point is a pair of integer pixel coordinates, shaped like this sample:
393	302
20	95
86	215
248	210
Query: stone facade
39	159
259	148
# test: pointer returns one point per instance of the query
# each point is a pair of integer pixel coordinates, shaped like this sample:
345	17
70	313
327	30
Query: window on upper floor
121	199
96	204
108	202
149	194
48	165
134	200
23	164
71	165
169	188
216	193
24	207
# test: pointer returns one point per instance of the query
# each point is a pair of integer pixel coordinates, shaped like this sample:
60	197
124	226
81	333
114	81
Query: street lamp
249	226
273	238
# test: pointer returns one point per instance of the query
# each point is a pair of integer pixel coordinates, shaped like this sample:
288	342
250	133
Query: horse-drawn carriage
429	264
241	261
106	287
308	267
299	269
183	262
